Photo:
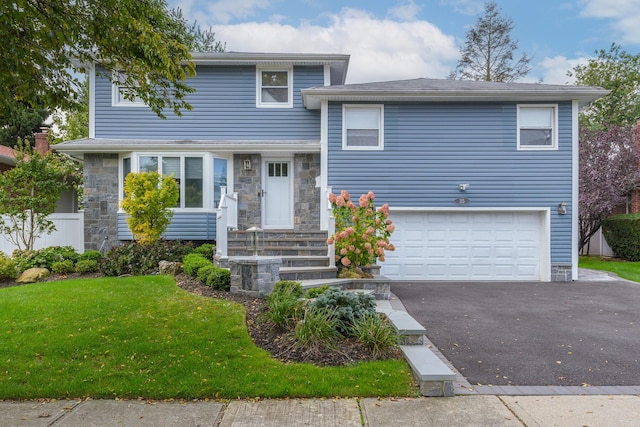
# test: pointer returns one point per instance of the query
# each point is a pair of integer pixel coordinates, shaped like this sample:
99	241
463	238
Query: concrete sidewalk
592	411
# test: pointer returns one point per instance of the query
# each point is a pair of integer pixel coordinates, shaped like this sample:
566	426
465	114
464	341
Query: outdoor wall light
463	187
562	208
247	164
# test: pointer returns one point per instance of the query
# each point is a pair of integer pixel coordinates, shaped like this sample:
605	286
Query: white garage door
465	246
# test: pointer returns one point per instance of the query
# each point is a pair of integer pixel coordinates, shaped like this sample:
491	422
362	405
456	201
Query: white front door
277	201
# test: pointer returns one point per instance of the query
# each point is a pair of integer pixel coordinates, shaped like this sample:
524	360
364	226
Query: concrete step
307	273
281	251
305	261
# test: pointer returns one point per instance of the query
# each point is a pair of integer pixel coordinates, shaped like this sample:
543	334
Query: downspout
575	155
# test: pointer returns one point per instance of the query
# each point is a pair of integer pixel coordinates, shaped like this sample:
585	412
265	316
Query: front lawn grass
625	269
145	337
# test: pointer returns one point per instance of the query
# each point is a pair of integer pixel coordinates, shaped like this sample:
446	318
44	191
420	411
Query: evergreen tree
488	52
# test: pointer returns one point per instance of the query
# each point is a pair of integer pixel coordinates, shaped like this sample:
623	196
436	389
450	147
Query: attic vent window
274	88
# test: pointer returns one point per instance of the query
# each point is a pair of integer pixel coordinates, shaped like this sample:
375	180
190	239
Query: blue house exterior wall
429	149
224	108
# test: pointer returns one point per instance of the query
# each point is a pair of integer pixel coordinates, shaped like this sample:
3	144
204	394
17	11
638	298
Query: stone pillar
254	276
248	184
101	188
306	168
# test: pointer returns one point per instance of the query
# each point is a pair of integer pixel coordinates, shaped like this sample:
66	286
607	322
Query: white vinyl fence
69	232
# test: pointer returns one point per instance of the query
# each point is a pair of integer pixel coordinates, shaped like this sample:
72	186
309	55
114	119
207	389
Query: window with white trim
537	127
120	89
363	127
274	88
188	172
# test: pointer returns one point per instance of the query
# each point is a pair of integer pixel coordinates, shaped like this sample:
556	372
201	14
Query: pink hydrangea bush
362	231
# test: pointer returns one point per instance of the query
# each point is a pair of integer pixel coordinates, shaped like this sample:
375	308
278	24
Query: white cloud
406	11
221	11
553	70
625	16
380	49
466	7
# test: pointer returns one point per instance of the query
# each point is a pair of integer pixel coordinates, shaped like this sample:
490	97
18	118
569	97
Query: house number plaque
461	201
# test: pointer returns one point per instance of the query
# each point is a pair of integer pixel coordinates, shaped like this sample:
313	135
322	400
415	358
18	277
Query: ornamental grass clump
362	231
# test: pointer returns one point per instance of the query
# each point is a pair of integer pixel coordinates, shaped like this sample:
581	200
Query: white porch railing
331	228
69	232
227	218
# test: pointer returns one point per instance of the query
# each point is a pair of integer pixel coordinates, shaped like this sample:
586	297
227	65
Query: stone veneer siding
306	211
561	273
100	201
248	185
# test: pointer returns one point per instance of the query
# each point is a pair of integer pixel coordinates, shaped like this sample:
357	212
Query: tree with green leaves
19	120
48	42
619	72
30	193
488	52
73	124
148	200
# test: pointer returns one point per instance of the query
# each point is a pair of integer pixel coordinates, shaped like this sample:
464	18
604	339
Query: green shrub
376	333
204	272
62	267
87	266
288	288
318	329
44	258
207	250
91	255
349	306
219	278
8	268
622	233
193	262
315	292
136	259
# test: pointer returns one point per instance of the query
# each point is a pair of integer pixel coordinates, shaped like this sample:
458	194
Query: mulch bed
280	344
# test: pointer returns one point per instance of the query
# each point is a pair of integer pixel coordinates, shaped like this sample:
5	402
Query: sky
406	39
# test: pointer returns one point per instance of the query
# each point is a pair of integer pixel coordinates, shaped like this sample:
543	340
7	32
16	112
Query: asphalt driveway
534	334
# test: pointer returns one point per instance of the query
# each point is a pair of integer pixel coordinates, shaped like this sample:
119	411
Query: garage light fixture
562	208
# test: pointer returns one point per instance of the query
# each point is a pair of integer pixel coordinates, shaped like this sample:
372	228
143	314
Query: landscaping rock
32	275
170	267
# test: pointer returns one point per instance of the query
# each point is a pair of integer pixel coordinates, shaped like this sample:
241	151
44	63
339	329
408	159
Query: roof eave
313	97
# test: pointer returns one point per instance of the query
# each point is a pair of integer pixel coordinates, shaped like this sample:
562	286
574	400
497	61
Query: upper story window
537	127
274	88
363	127
120	89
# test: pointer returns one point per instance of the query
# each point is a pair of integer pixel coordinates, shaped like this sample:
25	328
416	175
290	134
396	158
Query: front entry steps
303	253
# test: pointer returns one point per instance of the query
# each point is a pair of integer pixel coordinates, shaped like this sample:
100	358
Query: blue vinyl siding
430	149
184	226
224	108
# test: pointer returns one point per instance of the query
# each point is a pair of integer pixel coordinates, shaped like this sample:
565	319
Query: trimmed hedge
622	233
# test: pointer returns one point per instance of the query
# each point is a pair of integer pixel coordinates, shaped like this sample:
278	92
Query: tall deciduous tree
608	172
619	72
30	193
488	52
45	42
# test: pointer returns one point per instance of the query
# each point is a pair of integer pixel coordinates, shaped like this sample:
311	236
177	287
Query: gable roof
447	90
338	63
